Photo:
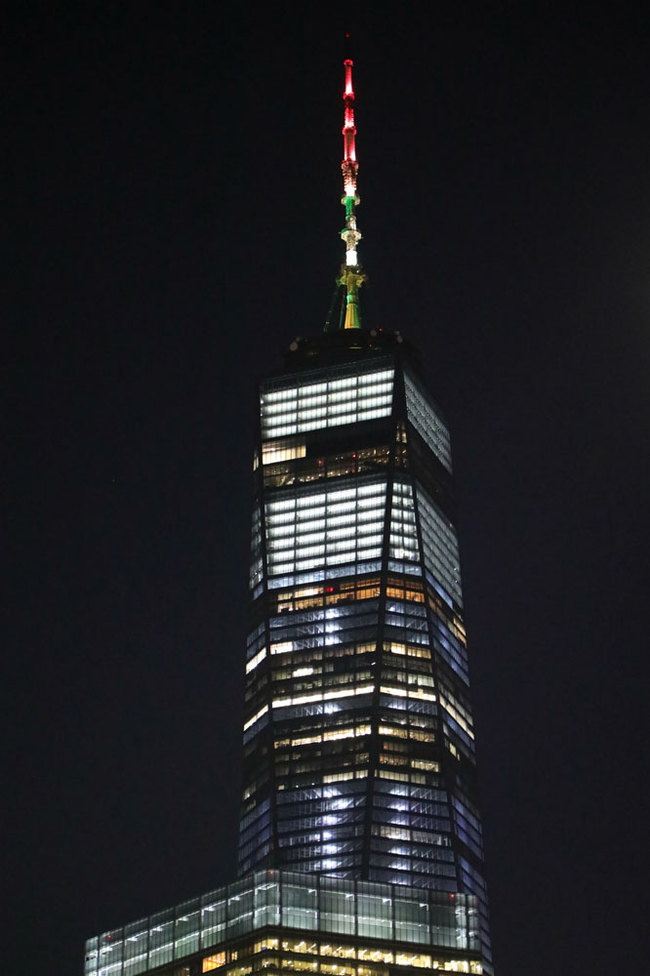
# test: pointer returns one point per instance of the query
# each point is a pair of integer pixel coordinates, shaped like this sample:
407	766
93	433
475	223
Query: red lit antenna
351	274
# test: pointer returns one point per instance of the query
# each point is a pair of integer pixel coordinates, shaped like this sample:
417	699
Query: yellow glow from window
307	597
255	717
338	734
342	951
266	944
213	962
428	764
375	955
365	954
275	451
410	650
254	661
306	740
345	693
407	693
400	593
459	626
393	730
298	700
346	733
323	696
284	647
395	833
337	777
421	735
365	648
393	760
452	748
455	714
418	959
301	946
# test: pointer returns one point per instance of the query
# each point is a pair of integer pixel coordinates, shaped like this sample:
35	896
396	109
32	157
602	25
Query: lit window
213	962
330	403
254	661
256	717
282	648
275	451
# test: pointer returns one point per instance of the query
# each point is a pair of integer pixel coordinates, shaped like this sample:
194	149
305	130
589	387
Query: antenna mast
351	274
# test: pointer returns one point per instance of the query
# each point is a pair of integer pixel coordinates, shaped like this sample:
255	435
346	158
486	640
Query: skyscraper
359	813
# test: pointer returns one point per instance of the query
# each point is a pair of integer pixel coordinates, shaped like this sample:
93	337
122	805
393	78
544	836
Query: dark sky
173	192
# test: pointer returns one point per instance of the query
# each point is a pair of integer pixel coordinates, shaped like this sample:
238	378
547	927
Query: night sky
173	196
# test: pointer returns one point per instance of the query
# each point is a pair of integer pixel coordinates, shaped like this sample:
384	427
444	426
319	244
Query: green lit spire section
352	277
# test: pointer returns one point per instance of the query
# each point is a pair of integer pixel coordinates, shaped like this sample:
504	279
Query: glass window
440	547
215	961
337	905
325	403
375	914
427	421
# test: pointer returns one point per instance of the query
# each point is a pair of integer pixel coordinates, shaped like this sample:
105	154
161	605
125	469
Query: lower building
277	922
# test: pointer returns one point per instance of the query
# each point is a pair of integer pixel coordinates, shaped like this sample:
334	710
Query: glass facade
275	921
358	733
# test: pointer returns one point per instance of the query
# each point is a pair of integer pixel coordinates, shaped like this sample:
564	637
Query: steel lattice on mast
351	276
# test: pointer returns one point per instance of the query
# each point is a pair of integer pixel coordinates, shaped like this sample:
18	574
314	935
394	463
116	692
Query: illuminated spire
351	274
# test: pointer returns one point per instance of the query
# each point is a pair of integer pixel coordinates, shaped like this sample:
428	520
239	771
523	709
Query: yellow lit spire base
352	278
